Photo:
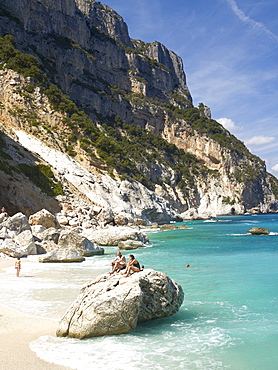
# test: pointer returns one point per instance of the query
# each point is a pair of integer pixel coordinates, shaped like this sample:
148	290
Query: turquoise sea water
229	318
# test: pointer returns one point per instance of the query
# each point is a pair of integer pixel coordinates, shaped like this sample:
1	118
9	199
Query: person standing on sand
17	266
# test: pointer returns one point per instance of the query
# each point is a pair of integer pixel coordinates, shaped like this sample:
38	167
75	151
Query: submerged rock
113	304
172	227
258	231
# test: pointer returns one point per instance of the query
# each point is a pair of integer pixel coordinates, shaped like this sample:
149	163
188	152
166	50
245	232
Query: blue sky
230	55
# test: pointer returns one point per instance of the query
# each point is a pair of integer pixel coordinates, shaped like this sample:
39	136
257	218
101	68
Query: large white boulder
113	304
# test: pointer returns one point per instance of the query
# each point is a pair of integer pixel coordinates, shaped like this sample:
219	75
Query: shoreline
17	330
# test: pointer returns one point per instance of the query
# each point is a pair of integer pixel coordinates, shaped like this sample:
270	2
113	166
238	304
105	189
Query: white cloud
259	140
275	168
228	124
244	18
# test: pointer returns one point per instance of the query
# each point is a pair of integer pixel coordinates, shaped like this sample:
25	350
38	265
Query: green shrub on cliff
42	176
26	64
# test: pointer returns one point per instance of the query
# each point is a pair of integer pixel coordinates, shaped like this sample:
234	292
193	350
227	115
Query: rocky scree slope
127	122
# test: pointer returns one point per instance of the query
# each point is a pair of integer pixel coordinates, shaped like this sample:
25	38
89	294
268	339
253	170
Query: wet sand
17	330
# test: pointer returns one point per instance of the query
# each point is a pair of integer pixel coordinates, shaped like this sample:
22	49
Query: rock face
258	231
85	48
112	304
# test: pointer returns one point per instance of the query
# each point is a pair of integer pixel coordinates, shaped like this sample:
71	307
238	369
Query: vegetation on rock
42	176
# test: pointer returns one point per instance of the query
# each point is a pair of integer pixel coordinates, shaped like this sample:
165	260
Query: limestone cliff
188	165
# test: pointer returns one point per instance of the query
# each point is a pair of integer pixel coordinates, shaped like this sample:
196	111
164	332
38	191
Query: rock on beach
62	255
113	304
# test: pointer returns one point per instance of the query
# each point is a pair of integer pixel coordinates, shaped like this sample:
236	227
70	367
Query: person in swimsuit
118	263
132	265
17	266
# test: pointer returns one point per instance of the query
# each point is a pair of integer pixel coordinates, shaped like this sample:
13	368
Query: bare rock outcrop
113	304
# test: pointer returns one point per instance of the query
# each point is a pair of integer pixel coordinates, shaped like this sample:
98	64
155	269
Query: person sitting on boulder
132	265
118	263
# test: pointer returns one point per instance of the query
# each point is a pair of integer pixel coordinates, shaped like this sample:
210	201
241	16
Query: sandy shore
17	330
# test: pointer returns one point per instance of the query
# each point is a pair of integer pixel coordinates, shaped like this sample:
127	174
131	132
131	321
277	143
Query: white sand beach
17	330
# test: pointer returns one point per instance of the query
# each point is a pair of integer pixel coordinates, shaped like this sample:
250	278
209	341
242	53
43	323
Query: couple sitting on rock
119	263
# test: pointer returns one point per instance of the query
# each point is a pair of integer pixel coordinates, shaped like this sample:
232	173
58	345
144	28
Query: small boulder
172	227
37	230
2	217
10	248
16	224
46	246
121	219
62	255
63	220
106	216
130	244
4	233
167	227
44	218
50	234
258	231
140	222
